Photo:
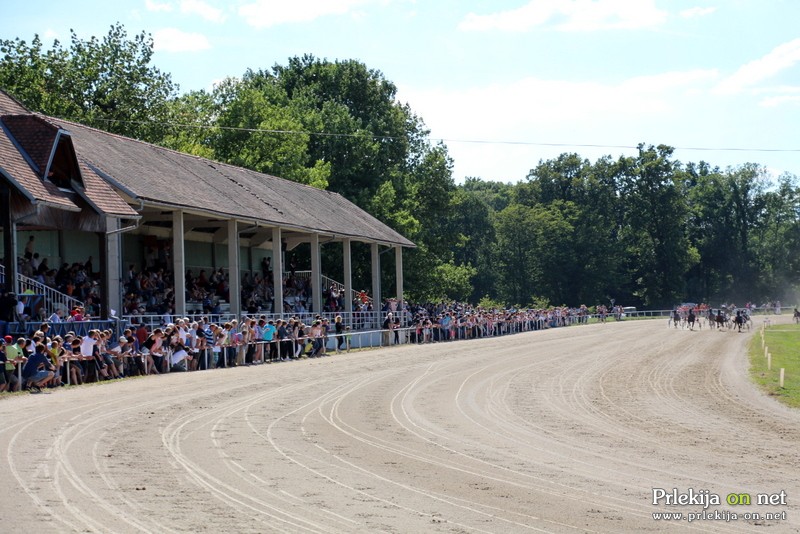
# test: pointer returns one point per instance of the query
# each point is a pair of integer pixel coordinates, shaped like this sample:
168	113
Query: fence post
781	381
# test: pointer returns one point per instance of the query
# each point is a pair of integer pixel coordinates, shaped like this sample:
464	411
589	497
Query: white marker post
781	381
769	361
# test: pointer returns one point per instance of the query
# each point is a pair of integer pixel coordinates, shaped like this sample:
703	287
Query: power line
447	140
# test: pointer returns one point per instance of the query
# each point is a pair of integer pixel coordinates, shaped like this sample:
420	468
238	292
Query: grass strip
783	342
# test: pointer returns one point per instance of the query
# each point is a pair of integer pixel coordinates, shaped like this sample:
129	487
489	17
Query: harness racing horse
739	320
676	318
721	320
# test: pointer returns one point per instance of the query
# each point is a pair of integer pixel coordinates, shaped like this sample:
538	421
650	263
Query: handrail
53	299
328	283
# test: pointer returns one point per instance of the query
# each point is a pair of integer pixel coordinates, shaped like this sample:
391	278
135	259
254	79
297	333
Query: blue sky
501	81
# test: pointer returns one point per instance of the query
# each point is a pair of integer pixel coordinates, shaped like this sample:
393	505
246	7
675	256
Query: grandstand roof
155	175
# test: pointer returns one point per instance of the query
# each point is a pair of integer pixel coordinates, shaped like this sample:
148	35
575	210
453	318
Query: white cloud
266	13
175	40
534	110
497	109
775	101
187	7
198	7
780	58
694	12
50	34
570	15
152	5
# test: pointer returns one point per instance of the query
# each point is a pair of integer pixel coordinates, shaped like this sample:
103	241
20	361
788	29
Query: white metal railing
52	299
328	283
355	320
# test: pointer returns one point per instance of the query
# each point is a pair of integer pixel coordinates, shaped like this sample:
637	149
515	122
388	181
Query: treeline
646	230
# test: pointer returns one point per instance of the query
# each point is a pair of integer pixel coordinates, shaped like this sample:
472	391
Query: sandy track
566	430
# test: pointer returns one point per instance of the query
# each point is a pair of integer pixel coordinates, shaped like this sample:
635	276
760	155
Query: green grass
783	342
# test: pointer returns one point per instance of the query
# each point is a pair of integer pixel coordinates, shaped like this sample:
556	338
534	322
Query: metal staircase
51	299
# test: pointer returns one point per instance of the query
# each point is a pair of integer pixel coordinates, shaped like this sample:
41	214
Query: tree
584	197
515	266
108	83
192	119
260	131
658	254
472	222
775	240
376	150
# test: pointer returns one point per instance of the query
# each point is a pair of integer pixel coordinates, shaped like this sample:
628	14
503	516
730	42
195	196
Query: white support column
234	284
376	278
316	278
277	269
398	270
348	276
178	263
9	228
113	252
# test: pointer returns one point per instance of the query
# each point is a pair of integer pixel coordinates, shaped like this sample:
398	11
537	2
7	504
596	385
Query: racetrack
565	430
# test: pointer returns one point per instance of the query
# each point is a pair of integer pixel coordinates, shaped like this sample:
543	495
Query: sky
508	83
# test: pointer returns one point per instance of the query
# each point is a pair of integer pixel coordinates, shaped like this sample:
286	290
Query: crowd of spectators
149	289
47	360
78	280
445	321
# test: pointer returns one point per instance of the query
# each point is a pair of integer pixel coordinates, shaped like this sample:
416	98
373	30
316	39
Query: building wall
78	246
198	254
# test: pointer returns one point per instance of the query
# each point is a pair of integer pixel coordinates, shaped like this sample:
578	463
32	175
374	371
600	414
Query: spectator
13	352
3	383
268	333
339	331
90	351
151	351
8	307
29	248
388	321
38	370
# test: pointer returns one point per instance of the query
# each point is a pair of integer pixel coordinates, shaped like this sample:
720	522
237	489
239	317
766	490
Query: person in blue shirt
38	370
268	333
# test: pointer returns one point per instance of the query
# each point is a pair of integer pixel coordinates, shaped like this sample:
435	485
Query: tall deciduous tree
107	83
378	155
658	252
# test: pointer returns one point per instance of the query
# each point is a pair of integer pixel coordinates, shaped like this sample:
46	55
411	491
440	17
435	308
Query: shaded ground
567	430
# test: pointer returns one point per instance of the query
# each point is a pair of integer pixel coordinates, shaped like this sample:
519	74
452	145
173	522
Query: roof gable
35	136
33	146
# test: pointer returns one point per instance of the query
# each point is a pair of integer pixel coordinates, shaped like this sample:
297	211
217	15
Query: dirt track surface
565	430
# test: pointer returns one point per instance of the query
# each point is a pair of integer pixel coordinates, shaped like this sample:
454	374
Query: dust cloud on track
564	430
